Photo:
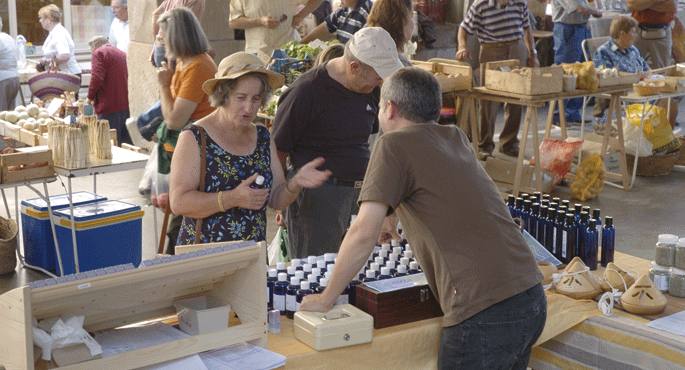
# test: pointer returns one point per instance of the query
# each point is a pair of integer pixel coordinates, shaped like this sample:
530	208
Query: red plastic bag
556	156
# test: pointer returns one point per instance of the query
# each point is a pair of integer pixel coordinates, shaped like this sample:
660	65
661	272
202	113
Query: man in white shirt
118	31
268	24
9	79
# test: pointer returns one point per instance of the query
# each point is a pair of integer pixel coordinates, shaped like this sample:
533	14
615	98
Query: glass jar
680	254
665	250
677	283
660	276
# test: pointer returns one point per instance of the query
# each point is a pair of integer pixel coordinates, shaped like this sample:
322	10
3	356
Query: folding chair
589	46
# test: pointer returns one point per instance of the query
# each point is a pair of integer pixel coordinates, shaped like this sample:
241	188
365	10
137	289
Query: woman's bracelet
220	200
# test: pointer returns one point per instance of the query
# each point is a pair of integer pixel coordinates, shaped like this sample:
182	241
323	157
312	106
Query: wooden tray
540	81
622	79
451	77
23	166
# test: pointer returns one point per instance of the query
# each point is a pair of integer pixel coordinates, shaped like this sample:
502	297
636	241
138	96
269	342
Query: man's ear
391	109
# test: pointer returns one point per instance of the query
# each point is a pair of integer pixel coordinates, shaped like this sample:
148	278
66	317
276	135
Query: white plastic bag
64	334
278	248
634	136
146	182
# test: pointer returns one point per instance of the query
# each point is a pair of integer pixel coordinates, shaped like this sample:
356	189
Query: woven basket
681	159
655	165
8	245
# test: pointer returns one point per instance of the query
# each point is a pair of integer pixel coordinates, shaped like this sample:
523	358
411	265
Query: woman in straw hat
231	204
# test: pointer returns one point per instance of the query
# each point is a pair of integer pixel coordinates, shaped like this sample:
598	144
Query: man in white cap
329	112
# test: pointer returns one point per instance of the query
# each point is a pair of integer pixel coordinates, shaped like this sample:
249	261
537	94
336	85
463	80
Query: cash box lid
61	201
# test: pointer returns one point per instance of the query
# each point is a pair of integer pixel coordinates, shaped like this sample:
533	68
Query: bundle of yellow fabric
585	73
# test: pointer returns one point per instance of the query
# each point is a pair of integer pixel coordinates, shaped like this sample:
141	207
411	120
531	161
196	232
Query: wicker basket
655	165
681	159
8	245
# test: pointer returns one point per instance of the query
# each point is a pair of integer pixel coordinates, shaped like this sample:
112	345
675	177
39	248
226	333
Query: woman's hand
164	74
243	196
309	176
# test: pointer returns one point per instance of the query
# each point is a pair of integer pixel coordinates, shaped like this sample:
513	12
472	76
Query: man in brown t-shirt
473	255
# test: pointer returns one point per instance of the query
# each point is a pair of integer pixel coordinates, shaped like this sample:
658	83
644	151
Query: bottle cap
524	195
282	276
331	268
321	264
370	274
328	274
394	256
577	207
586	209
407	247
390	264
536	206
374	266
291	270
592	224
295	262
273	273
413	265
323	282
383	254
385	247
316	272
385	271
299	274
556	199
280	265
304	285
584	216
409	254
511	199
329	257
397	250
311	260
402	269
569	217
668	239
609	221
379	260
312	278
404	261
595	214
526	204
566	203
660	268
294	280
394	243
307	267
259	180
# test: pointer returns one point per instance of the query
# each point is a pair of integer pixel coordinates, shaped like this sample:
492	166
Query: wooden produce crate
451	77
533	81
23	166
622	79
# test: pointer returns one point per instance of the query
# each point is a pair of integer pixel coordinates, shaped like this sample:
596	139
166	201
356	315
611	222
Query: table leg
562	119
522	151
52	228
473	121
7	207
536	146
607	129
95	184
629	185
73	226
550	118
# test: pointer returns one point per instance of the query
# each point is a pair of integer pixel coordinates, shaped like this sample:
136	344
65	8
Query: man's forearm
309	7
461	38
529	41
245	22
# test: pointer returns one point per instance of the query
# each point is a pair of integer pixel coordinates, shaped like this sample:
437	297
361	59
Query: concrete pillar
142	80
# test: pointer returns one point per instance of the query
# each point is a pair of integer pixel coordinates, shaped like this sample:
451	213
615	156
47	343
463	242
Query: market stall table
533	102
122	160
415	345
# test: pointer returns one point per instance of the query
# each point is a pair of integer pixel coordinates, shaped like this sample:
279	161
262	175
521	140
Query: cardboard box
451	77
201	315
504	171
534	81
399	306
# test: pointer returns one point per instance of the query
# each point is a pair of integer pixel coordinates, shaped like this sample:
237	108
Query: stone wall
142	81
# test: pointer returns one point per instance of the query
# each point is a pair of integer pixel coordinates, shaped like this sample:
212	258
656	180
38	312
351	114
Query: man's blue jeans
567	49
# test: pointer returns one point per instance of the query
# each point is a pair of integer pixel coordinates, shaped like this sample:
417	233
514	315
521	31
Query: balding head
96	42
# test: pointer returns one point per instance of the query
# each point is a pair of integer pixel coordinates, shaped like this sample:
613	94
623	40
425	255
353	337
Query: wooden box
23	166
531	81
229	272
451	77
504	171
397	307
622	79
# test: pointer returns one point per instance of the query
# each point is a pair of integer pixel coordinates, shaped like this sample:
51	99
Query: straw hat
615	276
577	282
642	298
240	64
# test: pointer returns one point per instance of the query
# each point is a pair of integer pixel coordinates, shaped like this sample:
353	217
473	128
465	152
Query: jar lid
676	271
657	267
668	238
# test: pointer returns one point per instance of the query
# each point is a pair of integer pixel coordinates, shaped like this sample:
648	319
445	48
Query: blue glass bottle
353	291
591	245
569	242
582	227
291	271
280	267
596	215
541	225
271	279
313	282
291	297
321	264
550	237
519	207
322	285
391	266
525	214
307	269
534	220
280	289
608	238
297	263
511	204
577	208
538	197
566	204
301	293
559	235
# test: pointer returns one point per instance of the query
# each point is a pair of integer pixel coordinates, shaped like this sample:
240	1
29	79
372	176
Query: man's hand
463	54
389	230
269	22
533	60
315	303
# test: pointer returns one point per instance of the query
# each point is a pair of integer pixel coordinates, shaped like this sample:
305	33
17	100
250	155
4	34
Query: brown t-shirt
459	228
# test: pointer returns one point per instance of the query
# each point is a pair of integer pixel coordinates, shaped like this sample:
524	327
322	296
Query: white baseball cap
374	47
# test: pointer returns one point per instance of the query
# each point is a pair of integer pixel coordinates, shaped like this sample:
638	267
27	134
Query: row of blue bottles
608	239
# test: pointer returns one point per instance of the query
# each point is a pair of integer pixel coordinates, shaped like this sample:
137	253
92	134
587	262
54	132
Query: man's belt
357	184
499	44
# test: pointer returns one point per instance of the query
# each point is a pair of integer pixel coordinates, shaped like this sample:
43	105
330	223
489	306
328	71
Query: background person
237	151
654	39
58	47
9	77
118	30
342	23
108	88
475	259
396	17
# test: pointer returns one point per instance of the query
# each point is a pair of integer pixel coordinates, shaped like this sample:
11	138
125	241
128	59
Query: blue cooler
107	233
39	247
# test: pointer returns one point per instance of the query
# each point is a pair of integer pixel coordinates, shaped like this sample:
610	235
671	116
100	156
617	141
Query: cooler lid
98	210
61	201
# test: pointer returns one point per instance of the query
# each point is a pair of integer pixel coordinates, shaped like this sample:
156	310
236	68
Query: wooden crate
537	81
451	77
622	79
22	166
236	277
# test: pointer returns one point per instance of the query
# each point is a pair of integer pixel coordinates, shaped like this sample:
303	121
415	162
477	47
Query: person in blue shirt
620	53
